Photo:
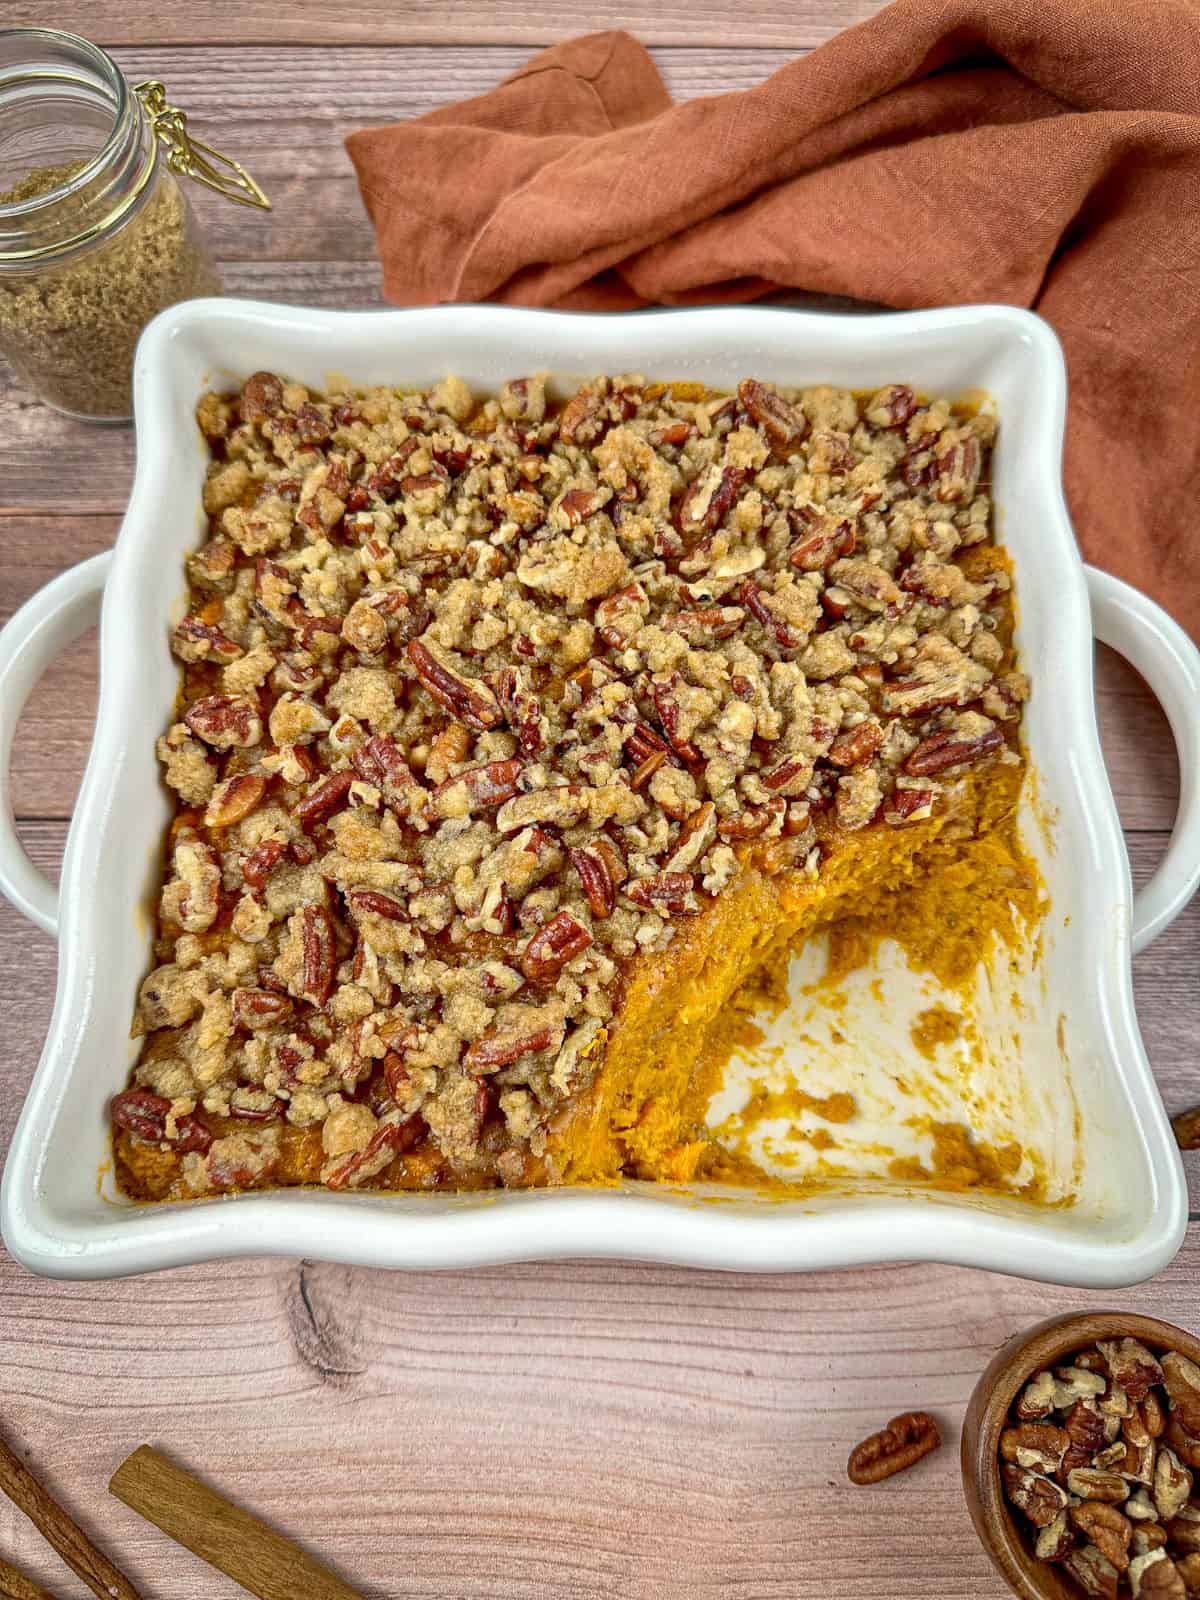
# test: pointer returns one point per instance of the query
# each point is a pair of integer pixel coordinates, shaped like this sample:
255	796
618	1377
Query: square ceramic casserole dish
1083	1069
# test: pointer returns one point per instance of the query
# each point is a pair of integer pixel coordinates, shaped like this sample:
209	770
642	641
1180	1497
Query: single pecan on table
893	1449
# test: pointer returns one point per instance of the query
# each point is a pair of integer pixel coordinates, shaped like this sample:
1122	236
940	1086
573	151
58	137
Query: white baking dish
1129	1213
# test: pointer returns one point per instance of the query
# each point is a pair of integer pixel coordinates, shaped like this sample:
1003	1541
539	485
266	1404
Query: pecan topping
234	799
259	863
595	877
259	1008
194	640
374	903
145	1115
560	941
329	796
522	710
469	698
1034	1496
483	787
857	745
669	892
831	540
319	951
946	749
905	1440
225	721
782	423
707	501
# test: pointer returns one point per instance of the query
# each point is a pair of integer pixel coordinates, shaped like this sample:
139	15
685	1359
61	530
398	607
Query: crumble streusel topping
482	696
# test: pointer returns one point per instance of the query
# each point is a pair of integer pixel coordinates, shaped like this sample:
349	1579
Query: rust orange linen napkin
1040	152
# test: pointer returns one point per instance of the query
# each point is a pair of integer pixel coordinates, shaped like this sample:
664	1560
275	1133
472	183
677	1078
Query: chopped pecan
704	624
389	1140
1187	1128
906	1439
580	419
145	1115
621	615
891	407
483	787
908	805
521	707
1154	1576
470	699
1092	1571
1172	1485
259	863
225	721
1054	1540
672	893
261	396
946	749
829	542
577	505
665	694
552	947
234	799
380	763
957	460
856	746
194	640
259	1008
374	903
319	953
331	795
501	1047
708	499
783	423
754	598
646	769
752	822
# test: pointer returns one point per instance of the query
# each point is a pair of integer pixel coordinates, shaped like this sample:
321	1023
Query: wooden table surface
561	1430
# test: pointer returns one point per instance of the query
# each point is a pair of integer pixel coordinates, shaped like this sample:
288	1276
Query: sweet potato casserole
515	735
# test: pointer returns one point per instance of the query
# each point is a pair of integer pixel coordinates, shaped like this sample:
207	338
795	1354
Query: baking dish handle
1145	635
46	624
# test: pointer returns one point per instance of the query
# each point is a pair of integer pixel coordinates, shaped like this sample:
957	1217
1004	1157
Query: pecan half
596	879
891	406
1040	1446
1108	1530
580	419
905	1440
552	947
1092	1571
469	698
783	423
1091	1483
234	799
261	396
704	624
946	749
143	1114
319	952
500	1047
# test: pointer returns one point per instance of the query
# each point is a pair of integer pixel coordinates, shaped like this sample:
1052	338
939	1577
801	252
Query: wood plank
799	26
567	1430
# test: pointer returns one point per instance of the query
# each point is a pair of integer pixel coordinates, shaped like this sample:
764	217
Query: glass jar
96	237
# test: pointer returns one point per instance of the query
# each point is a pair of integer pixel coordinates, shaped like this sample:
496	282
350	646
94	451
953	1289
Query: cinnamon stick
228	1538
57	1528
15	1585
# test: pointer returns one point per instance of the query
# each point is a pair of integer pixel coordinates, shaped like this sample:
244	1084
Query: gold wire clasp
190	156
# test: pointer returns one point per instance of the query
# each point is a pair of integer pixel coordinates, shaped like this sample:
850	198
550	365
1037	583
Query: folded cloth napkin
1040	152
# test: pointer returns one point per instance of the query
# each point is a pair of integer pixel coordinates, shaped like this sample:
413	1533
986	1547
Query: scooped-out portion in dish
520	734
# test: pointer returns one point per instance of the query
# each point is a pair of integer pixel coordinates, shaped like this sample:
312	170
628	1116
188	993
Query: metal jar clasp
192	157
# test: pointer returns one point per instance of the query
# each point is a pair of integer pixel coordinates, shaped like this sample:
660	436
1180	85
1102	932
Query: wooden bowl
1003	1534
